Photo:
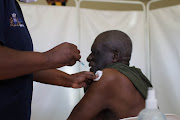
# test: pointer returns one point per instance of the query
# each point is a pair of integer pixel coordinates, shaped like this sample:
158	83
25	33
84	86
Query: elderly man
121	91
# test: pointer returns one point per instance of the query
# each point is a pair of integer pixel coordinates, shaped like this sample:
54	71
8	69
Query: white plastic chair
168	117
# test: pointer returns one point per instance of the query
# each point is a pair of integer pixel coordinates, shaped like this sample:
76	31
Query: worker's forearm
56	77
53	77
15	63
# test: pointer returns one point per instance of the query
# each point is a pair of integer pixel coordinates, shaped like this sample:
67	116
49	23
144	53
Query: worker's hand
65	54
82	79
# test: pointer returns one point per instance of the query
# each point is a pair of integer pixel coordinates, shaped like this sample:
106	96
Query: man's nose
89	58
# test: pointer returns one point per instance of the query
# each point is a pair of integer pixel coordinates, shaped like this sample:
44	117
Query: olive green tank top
135	75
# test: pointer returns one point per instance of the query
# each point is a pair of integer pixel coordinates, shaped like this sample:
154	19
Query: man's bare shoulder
111	80
114	77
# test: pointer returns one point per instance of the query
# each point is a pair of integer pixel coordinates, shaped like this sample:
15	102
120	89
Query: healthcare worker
19	66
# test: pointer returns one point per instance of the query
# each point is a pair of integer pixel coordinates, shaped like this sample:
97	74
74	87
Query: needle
82	64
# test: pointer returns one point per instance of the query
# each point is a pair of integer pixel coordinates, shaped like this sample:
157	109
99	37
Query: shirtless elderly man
122	90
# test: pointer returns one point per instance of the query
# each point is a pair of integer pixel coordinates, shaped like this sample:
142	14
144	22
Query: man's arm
14	63
94	101
56	77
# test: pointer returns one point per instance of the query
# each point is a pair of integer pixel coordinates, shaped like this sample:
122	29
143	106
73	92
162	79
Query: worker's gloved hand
81	79
65	54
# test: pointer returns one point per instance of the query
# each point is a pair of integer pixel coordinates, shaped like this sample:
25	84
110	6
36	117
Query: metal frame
148	37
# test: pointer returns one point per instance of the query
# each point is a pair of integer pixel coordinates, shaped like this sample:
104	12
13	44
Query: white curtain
52	25
165	49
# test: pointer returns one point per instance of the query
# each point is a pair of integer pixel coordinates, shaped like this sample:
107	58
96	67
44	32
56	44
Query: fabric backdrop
52	25
165	48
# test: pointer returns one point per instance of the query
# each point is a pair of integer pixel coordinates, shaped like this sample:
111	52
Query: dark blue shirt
16	93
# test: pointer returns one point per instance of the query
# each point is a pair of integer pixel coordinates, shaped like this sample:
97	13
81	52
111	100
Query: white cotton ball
99	74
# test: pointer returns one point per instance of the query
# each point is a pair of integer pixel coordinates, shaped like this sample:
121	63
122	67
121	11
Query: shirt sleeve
2	22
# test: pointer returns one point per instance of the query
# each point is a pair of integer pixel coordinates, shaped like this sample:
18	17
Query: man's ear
115	56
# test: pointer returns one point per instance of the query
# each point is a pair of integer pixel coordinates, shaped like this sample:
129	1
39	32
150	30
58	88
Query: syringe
83	64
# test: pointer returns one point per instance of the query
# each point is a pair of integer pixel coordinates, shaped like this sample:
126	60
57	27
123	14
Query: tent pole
148	37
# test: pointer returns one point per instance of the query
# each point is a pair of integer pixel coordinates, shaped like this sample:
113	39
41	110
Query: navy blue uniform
16	93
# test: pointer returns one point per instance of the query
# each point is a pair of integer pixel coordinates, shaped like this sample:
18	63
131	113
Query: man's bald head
118	42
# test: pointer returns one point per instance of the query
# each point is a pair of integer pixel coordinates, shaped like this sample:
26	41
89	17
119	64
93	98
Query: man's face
99	57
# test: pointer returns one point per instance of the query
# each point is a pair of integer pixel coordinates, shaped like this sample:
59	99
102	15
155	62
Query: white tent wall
52	25
165	57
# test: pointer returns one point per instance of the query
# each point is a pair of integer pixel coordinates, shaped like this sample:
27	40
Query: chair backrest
168	117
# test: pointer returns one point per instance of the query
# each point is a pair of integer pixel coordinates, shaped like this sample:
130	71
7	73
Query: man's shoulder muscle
113	77
111	82
117	84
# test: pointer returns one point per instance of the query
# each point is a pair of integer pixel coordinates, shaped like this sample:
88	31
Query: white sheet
50	26
165	48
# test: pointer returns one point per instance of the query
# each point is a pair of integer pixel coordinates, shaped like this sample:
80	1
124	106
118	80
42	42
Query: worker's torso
15	94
